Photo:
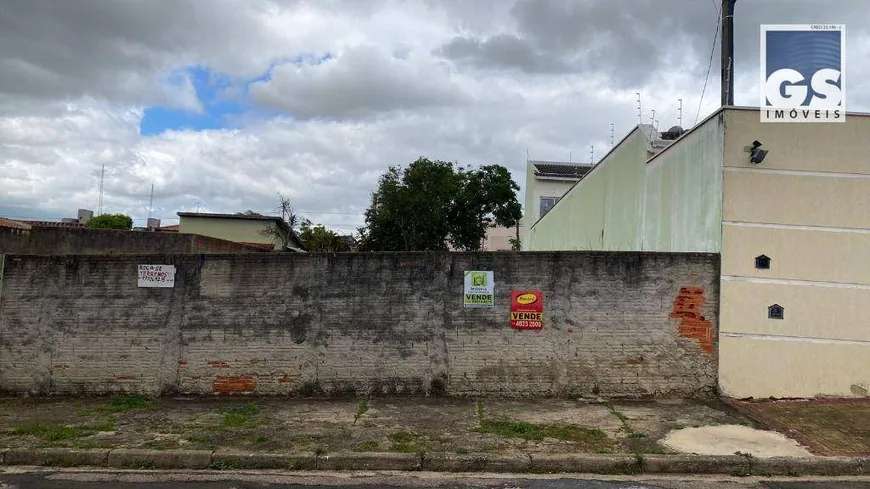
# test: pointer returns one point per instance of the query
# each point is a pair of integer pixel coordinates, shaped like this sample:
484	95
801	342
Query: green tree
431	203
111	221
318	239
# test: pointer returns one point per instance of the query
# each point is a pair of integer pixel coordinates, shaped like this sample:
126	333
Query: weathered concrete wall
619	324
64	241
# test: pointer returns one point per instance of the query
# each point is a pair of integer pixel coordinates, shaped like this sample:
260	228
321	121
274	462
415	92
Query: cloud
361	81
475	82
503	51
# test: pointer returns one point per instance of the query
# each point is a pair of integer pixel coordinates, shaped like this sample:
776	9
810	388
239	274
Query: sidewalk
544	435
405	425
833	427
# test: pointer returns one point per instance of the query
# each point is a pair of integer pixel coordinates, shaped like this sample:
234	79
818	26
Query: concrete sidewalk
545	435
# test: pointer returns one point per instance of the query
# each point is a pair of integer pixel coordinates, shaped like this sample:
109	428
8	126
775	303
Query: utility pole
727	52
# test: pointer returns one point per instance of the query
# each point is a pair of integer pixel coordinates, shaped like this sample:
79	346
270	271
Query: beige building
241	228
498	238
790	225
546	183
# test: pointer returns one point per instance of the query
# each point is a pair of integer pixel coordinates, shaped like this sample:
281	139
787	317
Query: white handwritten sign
157	276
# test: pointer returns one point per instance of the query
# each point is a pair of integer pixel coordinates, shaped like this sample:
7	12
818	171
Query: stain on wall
379	323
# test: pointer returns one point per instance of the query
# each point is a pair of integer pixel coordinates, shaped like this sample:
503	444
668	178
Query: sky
223	104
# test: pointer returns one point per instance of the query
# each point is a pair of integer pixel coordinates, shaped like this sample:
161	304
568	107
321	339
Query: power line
709	67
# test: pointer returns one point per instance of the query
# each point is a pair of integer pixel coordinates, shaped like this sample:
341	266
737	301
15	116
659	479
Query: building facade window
547	203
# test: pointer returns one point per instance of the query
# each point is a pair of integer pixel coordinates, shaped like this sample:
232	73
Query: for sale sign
527	309
156	275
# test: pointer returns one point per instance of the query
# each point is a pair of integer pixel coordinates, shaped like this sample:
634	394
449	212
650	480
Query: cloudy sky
221	104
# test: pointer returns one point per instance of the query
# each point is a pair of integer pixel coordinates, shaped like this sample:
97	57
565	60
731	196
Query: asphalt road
83	479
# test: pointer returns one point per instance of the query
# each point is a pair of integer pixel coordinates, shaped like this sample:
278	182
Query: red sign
527	309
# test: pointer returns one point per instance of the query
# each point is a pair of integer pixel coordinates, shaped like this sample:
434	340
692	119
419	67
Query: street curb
738	465
451	462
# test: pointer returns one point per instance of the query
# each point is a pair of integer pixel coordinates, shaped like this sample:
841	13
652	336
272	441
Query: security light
756	154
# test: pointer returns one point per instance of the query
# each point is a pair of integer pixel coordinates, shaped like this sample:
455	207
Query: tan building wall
239	230
499	238
807	207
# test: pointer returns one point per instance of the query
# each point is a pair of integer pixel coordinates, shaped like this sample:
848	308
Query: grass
261	439
240	417
636	434
127	403
55	432
361	409
368	446
529	431
405	442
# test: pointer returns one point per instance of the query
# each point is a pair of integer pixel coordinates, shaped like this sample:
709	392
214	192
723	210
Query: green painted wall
603	211
672	202
683	193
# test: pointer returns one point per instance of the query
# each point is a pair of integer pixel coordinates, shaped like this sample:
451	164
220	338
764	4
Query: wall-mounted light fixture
756	154
776	312
762	262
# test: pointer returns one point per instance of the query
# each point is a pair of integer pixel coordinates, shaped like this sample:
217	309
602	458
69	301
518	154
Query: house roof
169	229
559	169
297	243
9	223
55	224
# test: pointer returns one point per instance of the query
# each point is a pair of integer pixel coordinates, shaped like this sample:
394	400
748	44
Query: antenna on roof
151	202
100	201
570	154
680	112
639	109
592	154
527	156
652	118
612	127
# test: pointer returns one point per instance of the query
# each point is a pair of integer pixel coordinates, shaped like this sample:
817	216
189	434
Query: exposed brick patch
687	308
218	365
234	384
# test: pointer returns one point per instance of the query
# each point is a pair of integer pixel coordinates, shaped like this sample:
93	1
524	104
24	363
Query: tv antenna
639	109
680	112
612	130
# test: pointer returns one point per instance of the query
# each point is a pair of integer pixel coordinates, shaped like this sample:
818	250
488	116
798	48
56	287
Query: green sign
479	289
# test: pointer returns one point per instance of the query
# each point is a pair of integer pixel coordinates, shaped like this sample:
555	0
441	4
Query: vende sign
157	276
527	309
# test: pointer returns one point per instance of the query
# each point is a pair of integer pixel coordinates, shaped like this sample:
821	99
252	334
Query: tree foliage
111	221
431	204
318	239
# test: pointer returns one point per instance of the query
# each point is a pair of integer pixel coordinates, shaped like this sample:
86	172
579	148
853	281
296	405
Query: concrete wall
239	230
66	241
618	324
805	206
